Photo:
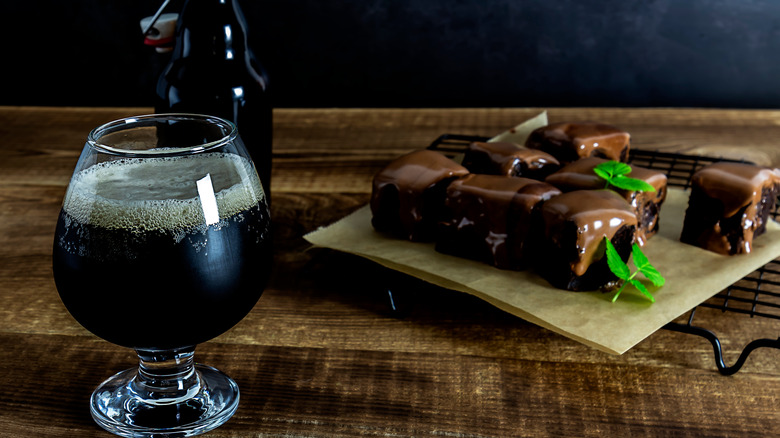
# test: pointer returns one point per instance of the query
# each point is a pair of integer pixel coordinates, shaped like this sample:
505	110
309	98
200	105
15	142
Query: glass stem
166	377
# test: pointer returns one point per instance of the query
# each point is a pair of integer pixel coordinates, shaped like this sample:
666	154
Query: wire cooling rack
756	296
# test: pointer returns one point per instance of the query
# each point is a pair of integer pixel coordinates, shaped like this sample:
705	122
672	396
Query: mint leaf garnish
614	173
603	174
626	183
641	288
613	169
623	272
644	266
616	264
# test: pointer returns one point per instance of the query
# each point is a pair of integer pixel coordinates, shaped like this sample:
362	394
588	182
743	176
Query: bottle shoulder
214	69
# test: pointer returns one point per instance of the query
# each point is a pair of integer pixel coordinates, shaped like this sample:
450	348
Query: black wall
717	53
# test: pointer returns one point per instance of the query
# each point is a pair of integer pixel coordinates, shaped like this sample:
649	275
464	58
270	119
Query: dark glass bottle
213	71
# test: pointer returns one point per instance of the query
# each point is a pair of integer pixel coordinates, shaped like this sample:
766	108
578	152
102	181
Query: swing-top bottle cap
160	35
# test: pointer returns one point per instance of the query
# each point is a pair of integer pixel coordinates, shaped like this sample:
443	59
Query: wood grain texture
323	354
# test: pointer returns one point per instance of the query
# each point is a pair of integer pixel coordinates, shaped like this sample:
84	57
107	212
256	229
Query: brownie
579	175
571	247
488	218
508	159
729	206
408	194
569	142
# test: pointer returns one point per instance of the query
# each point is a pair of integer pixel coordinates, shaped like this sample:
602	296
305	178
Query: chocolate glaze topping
570	141
579	175
595	213
408	194
729	205
488	217
735	184
508	159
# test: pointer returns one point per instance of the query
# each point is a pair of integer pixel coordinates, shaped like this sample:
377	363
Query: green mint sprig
614	172
621	270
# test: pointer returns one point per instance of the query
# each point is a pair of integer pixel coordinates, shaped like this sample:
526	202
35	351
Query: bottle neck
211	29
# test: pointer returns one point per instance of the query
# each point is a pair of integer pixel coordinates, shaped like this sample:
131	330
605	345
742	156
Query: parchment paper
520	133
692	276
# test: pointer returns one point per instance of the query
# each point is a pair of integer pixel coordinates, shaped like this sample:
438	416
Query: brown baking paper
692	276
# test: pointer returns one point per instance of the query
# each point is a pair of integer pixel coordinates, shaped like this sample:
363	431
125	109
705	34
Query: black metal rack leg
718	350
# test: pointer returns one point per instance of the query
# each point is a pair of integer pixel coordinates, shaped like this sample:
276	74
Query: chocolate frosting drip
407	195
508	159
729	205
488	217
735	184
579	175
570	141
595	214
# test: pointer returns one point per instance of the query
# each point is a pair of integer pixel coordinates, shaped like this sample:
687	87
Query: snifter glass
163	243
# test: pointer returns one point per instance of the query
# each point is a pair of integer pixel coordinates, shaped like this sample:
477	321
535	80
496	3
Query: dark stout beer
157	262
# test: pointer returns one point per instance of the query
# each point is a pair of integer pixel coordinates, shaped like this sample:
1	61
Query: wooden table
323	354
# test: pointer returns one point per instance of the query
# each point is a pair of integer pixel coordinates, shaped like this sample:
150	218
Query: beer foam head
161	193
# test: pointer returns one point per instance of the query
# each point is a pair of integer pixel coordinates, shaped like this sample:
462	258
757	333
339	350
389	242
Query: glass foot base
122	407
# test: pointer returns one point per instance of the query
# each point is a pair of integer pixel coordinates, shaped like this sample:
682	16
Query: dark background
406	53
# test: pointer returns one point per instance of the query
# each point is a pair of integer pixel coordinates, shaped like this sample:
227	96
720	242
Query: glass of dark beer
162	243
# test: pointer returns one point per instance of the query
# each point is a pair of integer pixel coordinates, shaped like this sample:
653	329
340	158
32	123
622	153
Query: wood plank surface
323	353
